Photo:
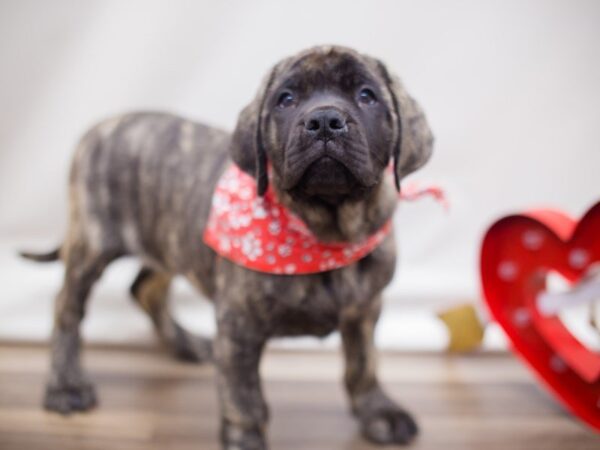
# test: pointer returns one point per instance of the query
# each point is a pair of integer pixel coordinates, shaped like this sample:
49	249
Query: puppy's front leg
238	348
382	420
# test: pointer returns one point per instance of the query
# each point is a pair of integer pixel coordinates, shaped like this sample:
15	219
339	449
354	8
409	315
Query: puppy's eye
286	99
367	97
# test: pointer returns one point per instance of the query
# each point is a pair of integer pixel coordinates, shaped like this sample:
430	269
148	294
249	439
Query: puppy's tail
51	256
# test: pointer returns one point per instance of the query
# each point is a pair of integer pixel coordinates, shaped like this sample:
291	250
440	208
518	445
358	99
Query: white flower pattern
251	247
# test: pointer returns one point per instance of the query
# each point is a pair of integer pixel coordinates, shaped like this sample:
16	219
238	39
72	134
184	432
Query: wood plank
149	401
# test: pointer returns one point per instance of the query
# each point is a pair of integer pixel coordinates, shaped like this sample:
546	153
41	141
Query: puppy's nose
325	124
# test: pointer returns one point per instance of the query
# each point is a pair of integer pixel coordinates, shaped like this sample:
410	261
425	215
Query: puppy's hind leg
150	291
68	388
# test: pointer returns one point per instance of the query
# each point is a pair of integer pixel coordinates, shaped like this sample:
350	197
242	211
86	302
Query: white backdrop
511	89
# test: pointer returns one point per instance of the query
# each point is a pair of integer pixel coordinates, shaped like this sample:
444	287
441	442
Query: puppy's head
329	120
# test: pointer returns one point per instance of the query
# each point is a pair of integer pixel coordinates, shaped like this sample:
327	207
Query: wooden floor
149	401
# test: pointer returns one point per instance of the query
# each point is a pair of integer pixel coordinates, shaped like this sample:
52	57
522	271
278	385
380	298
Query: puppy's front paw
234	437
389	426
383	421
65	399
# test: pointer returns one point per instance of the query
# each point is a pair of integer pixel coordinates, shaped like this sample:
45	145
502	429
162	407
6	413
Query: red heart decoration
517	254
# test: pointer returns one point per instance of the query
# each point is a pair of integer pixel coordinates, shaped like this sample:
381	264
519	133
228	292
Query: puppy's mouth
328	180
328	170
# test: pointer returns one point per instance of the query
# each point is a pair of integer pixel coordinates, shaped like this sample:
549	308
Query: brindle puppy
328	120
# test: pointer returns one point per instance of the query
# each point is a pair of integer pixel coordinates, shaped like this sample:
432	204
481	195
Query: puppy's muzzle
327	152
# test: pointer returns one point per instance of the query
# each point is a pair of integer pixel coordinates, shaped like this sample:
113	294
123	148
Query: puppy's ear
247	143
414	141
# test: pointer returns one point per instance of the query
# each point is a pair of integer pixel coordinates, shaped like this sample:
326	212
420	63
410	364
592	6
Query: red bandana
261	234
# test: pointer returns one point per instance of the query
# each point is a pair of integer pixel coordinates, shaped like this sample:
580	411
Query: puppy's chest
314	305
292	305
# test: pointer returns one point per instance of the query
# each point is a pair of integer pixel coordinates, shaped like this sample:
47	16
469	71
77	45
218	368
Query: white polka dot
507	271
578	258
557	364
532	240
521	317
284	250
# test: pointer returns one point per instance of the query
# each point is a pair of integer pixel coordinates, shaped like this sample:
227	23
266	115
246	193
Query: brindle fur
141	184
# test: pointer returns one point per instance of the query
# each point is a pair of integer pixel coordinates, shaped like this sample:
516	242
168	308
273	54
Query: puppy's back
136	180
